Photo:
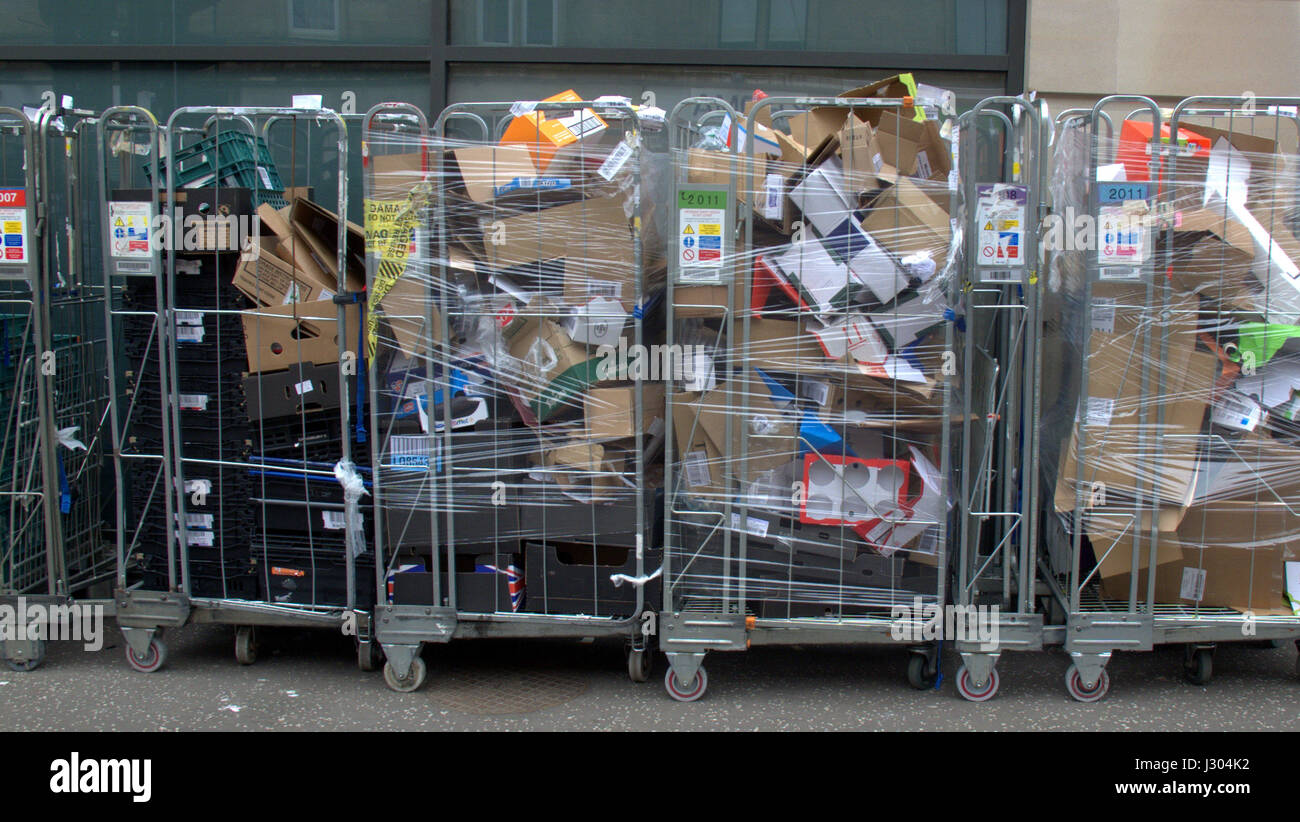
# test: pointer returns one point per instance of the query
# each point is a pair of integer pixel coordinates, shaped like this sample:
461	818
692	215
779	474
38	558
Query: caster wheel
1198	667
1074	684
32	664
245	645
686	693
370	656
919	673
639	664
413	680
1297	666
151	661
968	690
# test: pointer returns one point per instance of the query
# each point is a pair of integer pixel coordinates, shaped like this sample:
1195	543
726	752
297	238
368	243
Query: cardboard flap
483	168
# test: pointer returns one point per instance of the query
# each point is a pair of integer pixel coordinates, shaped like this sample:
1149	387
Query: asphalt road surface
305	680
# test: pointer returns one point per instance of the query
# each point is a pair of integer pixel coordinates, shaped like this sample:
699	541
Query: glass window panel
916	27
242	22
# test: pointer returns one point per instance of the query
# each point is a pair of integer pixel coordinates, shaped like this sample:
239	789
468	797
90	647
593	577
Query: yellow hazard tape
392	261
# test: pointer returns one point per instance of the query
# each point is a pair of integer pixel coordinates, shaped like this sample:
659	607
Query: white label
923	167
754	525
203	539
334	520
1122	239
1100	410
266	178
199	520
189	318
194	402
699	243
311	102
774	197
1234	410
877	162
1103	314
304	387
1000	219
128	230
615	161
697	469
1193	586
815	390
605	288
189	333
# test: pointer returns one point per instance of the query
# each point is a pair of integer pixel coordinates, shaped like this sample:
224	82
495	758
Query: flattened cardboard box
273	278
593	237
611	411
1111	410
278	338
1233	556
905	221
318	227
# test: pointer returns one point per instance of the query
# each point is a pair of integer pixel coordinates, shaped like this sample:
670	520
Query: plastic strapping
636	582
354	487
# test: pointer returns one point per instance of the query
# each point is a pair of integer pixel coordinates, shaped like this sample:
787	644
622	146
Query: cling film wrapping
1169	433
514	302
808	477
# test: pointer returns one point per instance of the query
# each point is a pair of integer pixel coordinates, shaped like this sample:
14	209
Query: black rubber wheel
1199	667
32	664
370	656
640	662
245	644
920	675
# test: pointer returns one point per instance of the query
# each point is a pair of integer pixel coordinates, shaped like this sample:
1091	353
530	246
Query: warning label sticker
1000	215
701	237
13	222
128	229
1121	237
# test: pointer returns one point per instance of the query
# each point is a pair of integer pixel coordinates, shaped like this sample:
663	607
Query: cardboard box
1118	454
914	148
716	168
484	169
269	280
611	411
905	221
545	133
554	370
280	337
822	283
318	227
823	196
700	433
591	236
395	175
403	308
1233	555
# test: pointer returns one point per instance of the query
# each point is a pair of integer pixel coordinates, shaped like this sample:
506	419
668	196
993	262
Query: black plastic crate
301	389
482	584
567	578
318	579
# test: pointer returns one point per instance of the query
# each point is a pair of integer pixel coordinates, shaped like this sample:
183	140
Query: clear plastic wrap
516	304
1173	442
808	439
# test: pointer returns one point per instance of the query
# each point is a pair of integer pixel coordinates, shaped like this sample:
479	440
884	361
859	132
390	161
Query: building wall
1163	48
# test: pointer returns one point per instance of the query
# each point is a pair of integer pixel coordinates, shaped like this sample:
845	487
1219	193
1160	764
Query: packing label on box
304	387
201	539
1193	584
334	520
1122	237
701	219
615	161
13	221
1000	217
1234	410
194	402
755	526
697	469
199	520
128	230
1103	314
773	206
1100	410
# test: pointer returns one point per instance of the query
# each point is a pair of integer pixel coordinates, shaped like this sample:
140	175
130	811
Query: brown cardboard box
396	174
1233	553
914	148
555	369
483	168
404	309
1113	532
699	430
716	168
318	227
1113	406
592	237
268	280
905	221
611	411
277	338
